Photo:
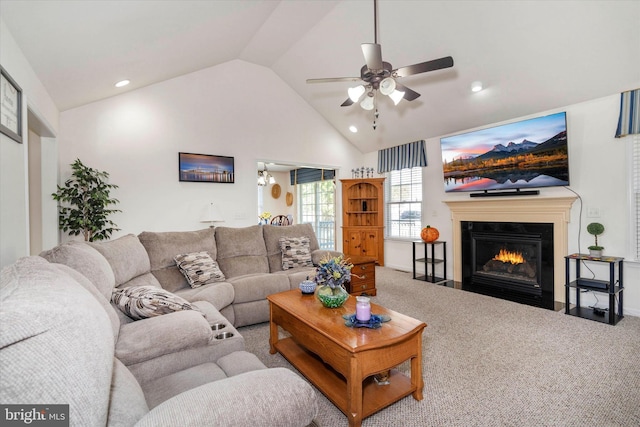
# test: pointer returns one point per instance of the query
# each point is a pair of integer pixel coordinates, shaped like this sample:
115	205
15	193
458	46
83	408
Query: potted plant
87	194
595	228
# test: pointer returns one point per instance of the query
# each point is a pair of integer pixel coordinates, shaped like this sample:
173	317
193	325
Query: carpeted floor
490	362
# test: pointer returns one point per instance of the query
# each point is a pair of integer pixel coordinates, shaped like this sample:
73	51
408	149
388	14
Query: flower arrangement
333	271
264	217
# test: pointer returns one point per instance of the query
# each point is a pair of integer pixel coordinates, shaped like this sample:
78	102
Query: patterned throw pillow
295	252
142	302
199	268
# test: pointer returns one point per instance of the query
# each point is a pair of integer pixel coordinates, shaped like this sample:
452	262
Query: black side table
430	261
612	287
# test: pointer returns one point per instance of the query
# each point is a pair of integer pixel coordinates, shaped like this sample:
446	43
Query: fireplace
554	210
509	260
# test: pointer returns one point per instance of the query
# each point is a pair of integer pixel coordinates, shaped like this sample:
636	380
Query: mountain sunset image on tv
525	154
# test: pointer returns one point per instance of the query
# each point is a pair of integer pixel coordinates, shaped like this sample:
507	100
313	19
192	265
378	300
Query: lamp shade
211	214
387	86
356	92
367	103
396	96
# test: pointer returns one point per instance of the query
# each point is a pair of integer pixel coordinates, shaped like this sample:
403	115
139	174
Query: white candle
363	309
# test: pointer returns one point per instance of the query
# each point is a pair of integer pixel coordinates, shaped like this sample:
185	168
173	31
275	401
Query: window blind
636	194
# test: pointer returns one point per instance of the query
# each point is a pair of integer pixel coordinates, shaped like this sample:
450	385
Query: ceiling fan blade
334	79
423	67
347	103
409	94
372	55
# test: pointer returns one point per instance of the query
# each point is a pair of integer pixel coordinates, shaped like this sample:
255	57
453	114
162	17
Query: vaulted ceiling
531	56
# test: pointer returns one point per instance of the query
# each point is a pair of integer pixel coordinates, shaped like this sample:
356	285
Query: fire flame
508	256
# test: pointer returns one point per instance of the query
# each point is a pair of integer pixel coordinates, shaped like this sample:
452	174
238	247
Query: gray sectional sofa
58	323
249	257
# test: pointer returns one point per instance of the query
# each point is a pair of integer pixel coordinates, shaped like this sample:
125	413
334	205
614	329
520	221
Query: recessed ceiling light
122	83
353	129
476	86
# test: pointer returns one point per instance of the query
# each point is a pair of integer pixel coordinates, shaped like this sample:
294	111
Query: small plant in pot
596	229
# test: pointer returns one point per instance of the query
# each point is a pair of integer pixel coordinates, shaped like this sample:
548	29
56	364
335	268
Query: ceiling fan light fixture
396	96
367	103
356	92
387	86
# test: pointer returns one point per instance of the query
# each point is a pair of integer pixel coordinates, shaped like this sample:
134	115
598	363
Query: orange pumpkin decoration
429	234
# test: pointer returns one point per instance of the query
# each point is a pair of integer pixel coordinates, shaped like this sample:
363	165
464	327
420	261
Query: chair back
280	220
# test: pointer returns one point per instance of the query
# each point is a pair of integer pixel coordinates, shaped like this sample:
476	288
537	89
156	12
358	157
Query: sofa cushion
219	294
272	235
239	362
86	260
126	255
164	335
56	342
256	287
162	248
142	302
127	404
164	388
241	251
284	399
104	303
199	269
295	252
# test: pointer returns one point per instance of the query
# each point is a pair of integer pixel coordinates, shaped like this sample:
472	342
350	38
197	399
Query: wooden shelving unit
363	217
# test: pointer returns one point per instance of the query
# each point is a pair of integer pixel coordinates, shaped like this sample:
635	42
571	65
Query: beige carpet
490	362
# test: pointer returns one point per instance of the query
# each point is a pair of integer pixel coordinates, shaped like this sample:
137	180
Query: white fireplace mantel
555	210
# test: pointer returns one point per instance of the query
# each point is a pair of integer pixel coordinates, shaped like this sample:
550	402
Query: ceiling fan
378	75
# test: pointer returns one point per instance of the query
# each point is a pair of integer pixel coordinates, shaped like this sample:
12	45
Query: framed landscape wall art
206	168
10	107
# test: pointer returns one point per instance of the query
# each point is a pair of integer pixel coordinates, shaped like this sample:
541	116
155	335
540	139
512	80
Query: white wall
598	173
235	109
278	206
14	205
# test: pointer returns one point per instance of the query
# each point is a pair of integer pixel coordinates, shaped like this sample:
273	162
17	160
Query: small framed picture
10	107
206	168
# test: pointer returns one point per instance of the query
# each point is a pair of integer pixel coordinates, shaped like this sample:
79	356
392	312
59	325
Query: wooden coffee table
341	361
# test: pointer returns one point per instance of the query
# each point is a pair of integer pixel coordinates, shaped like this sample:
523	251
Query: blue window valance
405	156
629	121
306	175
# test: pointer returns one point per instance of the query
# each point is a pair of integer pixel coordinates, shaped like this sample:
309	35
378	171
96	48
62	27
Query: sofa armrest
268	397
153	337
319	254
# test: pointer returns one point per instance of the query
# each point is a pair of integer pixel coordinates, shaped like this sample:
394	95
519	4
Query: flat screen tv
526	154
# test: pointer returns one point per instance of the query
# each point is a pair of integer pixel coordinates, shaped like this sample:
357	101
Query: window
403	201
316	205
635	197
